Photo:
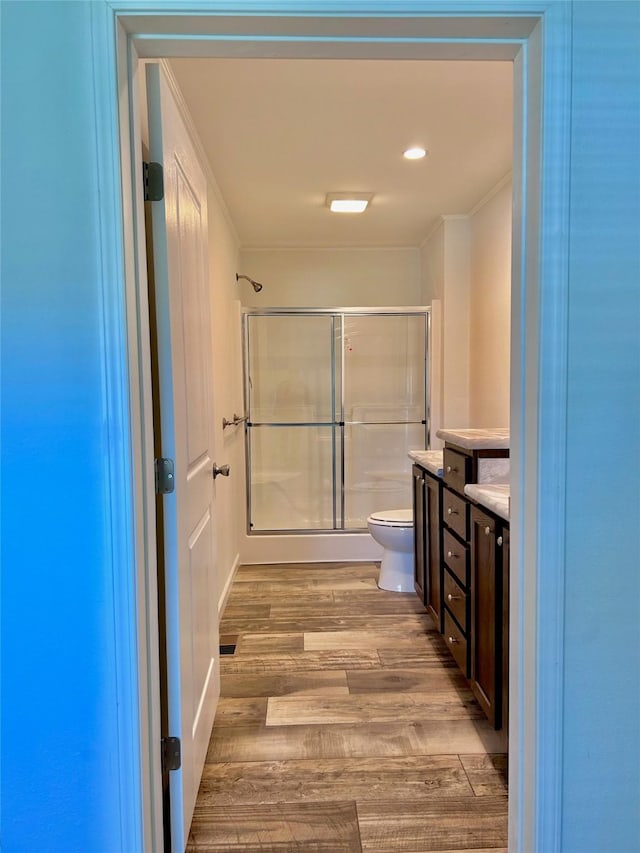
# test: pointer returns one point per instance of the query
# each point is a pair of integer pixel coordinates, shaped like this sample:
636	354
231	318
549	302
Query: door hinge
153	181
165	476
170	753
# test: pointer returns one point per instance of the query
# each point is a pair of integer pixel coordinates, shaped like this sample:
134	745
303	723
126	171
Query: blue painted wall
602	676
60	787
59	784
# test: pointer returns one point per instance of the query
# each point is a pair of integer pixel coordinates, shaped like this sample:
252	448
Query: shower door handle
223	469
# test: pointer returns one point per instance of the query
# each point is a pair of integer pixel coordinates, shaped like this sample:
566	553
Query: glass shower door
291	406
384	411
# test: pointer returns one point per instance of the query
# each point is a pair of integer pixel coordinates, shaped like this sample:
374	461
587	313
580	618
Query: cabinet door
433	570
505	627
419	581
486	616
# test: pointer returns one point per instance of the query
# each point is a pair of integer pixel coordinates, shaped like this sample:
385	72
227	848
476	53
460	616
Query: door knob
223	469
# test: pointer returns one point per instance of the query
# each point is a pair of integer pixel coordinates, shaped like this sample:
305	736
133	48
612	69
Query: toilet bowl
393	529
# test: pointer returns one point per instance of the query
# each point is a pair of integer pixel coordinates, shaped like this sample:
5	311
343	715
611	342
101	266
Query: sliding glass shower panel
291	422
290	369
384	411
378	469
335	399
384	368
292	478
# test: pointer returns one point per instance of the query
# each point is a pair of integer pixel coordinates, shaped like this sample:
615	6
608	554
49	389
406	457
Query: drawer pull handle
453	597
453	640
451	511
487	531
499	540
451	554
450	469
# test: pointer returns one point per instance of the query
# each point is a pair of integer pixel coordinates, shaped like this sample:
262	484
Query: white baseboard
312	548
227	586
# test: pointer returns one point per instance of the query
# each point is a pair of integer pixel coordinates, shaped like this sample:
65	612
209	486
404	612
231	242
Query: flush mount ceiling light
416	153
348	202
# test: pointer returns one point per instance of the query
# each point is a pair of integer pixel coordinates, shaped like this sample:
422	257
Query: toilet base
396	571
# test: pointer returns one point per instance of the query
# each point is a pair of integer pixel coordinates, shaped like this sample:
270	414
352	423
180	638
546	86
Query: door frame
536	35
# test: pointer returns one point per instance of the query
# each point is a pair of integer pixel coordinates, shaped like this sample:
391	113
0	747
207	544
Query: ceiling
281	133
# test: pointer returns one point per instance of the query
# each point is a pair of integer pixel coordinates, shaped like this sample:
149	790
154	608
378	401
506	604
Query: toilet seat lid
393	517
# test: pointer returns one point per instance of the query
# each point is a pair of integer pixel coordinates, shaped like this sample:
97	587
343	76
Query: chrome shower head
254	284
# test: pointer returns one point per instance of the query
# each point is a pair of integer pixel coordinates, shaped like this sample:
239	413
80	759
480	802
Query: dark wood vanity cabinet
489	614
427	500
475	571
455	569
486	629
462	574
419	533
506	545
433	547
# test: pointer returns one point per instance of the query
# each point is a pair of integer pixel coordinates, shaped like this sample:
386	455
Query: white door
186	420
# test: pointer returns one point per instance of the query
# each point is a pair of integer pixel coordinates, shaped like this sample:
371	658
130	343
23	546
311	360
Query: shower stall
335	399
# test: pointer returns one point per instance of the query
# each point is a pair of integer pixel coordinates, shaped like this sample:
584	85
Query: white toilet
393	529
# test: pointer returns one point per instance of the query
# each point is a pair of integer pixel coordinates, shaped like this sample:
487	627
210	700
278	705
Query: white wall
490	307
466	265
432	265
432	294
331	277
456	330
445	278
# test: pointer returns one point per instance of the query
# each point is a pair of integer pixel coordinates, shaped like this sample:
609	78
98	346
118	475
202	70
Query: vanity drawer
456	557
455	599
457	469
455	513
456	642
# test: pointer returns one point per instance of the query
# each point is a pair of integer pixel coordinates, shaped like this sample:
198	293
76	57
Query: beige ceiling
280	134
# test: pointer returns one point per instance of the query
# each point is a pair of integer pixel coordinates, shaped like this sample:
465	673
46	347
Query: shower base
309	548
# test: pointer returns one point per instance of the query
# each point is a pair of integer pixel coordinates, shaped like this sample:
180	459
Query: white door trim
537	36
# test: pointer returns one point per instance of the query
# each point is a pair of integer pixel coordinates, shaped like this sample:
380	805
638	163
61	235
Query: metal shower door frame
337	314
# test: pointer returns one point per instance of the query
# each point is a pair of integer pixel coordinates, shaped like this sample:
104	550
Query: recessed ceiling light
348	202
414	153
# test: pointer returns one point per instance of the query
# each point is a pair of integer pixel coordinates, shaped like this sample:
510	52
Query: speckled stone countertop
432	460
495	497
476	439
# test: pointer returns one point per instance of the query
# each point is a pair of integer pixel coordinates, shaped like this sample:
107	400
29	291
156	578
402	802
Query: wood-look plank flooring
344	726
